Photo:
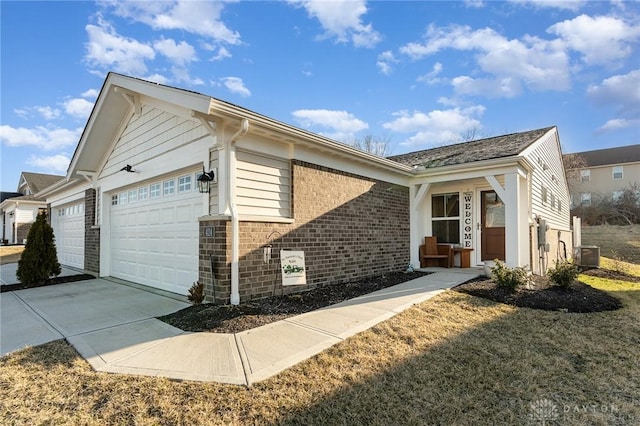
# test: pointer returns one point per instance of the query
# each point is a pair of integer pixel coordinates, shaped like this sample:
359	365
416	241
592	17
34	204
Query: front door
492	240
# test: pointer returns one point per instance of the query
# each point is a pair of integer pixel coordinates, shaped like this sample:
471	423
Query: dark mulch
52	281
542	294
234	319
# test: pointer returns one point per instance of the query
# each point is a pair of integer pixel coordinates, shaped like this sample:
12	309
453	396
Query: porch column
417	195
516	223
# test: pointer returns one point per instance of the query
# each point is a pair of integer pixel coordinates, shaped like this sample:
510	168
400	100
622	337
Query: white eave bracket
132	98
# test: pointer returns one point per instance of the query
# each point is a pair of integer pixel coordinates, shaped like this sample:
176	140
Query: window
154	190
585	199
617	172
114	200
168	187
544	195
445	216
143	193
133	195
184	183
122	198
553	200
585	175
559	205
617	195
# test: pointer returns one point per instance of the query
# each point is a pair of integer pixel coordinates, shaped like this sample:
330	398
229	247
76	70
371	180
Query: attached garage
68	227
154	233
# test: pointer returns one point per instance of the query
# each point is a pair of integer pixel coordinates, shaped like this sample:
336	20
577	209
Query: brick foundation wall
91	233
349	227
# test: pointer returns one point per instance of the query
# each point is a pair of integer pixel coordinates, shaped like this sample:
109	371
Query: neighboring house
605	175
18	210
129	207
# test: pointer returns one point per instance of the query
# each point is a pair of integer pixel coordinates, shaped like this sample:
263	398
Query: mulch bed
543	294
234	319
53	281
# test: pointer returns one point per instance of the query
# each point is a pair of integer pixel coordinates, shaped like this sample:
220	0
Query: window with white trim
553	200
143	193
122	198
133	195
544	195
585	198
168	188
585	175
184	183
617	172
154	190
445	217
617	195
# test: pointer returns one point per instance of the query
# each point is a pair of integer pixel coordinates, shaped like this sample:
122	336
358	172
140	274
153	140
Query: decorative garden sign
467	241
293	268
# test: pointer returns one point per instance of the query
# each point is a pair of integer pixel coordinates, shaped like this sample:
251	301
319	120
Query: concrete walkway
8	273
123	336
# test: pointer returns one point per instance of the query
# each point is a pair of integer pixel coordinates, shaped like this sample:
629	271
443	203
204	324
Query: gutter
231	206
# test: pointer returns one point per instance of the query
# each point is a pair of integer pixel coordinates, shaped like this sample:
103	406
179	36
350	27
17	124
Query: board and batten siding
153	133
548	175
263	185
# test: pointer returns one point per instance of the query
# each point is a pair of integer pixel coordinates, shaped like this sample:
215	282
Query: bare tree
377	145
573	164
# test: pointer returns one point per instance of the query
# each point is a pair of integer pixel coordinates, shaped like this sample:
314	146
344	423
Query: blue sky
419	74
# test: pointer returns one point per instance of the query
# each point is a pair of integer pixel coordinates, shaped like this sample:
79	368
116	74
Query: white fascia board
473	170
69	193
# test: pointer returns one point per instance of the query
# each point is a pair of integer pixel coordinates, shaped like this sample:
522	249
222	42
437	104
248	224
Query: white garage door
68	228
154	234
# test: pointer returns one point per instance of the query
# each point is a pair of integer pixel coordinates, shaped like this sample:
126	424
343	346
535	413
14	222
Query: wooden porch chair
432	254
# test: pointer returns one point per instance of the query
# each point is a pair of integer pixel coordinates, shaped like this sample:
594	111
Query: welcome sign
467	240
293	267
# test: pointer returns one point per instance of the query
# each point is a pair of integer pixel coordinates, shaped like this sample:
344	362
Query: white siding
548	173
263	185
151	134
26	214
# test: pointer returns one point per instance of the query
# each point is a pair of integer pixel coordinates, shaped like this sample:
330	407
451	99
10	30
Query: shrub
563	274
39	260
196	293
508	278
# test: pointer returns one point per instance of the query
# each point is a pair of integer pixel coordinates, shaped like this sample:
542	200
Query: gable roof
468	152
39	181
610	156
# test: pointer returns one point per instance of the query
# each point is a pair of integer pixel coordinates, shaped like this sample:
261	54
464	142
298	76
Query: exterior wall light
205	180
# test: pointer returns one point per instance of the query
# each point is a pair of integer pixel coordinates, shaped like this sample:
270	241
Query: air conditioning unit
588	256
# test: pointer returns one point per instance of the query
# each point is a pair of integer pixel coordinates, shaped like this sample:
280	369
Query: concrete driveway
39	315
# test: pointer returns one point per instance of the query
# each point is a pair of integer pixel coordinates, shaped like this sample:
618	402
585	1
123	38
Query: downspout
231	207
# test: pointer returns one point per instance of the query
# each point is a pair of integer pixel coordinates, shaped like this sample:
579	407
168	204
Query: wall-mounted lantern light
205	180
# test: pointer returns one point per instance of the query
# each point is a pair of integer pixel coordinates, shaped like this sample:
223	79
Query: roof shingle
467	152
609	156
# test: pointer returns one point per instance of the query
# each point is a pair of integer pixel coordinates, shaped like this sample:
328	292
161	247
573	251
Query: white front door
154	240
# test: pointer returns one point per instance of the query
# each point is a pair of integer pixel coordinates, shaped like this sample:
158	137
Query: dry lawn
10	254
455	359
616	242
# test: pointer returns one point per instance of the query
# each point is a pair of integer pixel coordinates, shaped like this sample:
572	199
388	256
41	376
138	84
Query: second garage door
154	234
68	228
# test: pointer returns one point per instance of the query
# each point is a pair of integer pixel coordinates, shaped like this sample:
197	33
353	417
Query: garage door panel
68	228
156	243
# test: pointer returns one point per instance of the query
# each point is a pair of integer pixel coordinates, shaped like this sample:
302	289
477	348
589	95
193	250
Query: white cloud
532	62
385	61
197	17
58	163
181	75
342	19
106	49
223	53
601	39
157	78
555	4
78	107
618	124
179	53
41	137
48	113
236	85
435	127
474	4
622	91
431	77
338	125
91	93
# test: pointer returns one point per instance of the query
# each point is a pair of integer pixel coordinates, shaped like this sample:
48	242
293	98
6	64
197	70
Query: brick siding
91	233
349	227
